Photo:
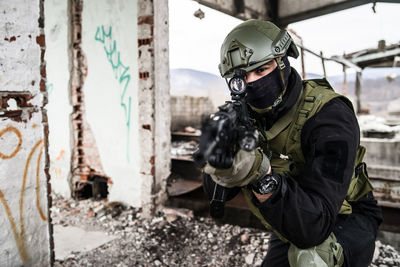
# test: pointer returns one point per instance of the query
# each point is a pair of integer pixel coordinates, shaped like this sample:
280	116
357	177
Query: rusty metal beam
377	59
290	11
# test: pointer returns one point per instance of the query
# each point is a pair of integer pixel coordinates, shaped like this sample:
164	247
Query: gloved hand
247	168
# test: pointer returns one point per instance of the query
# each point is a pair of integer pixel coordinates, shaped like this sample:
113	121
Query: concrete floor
71	239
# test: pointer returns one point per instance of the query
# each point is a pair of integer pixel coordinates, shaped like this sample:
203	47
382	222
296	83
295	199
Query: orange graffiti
21	199
62	152
18	134
20	236
44	218
57	171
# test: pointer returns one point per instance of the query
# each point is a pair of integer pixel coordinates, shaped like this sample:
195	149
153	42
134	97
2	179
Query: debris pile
174	237
385	256
377	127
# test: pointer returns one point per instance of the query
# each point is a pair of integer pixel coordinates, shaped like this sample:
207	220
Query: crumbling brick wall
26	236
85	159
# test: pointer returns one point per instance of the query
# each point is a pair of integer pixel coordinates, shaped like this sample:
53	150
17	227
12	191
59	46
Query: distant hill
376	93
197	83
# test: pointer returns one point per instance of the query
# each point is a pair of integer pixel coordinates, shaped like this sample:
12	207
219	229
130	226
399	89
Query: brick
145	20
40	40
144	75
146	41
146	127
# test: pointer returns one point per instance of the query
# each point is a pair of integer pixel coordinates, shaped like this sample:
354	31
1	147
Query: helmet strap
281	64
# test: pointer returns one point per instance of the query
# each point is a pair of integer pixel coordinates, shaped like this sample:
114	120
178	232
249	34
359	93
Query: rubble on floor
385	256
174	237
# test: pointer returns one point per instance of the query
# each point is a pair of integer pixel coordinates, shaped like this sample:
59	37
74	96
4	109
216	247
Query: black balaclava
292	93
263	92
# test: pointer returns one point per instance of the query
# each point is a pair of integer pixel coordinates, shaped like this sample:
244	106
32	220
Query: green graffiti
121	73
49	88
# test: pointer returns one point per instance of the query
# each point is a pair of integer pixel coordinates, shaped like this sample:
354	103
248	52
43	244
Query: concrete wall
188	111
109	41
25	236
103	58
383	157
59	108
384	152
383	161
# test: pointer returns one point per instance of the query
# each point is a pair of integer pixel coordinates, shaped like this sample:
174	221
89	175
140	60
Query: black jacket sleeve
304	209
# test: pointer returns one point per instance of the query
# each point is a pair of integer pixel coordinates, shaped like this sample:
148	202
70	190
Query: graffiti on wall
37	149
56	171
49	88
121	74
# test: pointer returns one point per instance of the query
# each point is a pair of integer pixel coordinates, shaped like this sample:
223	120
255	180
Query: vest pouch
360	184
327	254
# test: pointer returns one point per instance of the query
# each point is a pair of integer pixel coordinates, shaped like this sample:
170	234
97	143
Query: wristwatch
266	184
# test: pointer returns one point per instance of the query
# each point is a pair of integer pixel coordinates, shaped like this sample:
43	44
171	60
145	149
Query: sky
196	43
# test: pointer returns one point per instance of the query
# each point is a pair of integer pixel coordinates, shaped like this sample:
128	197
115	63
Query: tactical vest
283	142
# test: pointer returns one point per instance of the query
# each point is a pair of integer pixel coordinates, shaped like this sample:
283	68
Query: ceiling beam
241	9
290	11
283	12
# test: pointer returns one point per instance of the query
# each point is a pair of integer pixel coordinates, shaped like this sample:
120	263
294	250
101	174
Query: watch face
266	188
266	185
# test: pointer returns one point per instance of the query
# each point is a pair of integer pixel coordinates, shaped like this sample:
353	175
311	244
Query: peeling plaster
12	104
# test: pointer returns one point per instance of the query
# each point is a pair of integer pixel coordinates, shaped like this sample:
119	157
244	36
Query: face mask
263	92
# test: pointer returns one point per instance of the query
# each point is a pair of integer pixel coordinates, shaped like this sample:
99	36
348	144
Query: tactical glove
247	168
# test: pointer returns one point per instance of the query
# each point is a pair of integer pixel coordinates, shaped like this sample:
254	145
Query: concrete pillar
26	235
154	101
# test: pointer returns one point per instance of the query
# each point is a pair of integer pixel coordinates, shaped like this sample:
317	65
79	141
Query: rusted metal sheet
185	175
177	186
381	56
185	136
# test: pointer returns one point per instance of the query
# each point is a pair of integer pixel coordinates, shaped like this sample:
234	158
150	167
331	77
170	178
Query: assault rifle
223	134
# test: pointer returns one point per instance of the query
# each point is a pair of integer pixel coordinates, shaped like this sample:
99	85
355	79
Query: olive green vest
284	143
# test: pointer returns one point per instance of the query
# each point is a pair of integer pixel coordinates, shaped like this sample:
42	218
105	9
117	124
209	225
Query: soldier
306	181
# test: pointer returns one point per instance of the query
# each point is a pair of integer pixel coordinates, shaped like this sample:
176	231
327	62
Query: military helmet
252	44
